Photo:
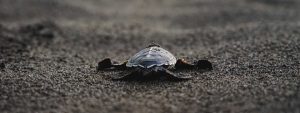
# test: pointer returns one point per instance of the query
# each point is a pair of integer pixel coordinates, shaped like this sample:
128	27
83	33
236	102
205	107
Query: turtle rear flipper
126	75
174	76
136	74
203	64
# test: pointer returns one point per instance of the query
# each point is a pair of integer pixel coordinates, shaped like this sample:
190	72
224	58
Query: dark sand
49	52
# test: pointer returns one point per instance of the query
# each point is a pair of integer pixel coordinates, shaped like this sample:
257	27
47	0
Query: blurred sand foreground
49	51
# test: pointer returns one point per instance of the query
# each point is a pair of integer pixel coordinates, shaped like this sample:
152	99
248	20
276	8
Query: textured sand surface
49	52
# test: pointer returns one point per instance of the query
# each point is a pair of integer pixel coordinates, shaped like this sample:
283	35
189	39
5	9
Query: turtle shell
152	56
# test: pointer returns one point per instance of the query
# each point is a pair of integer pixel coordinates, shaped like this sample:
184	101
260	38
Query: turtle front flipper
107	63
174	76
203	64
125	75
200	64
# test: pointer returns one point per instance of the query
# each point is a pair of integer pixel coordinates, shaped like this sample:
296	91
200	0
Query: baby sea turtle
153	61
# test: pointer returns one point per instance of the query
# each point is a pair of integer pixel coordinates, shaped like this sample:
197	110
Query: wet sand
49	51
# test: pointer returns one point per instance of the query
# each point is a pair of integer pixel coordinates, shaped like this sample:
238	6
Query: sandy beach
49	52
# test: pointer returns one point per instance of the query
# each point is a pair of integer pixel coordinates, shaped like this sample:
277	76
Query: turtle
152	62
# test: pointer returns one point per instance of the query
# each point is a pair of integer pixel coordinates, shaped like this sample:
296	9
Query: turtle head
153	44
